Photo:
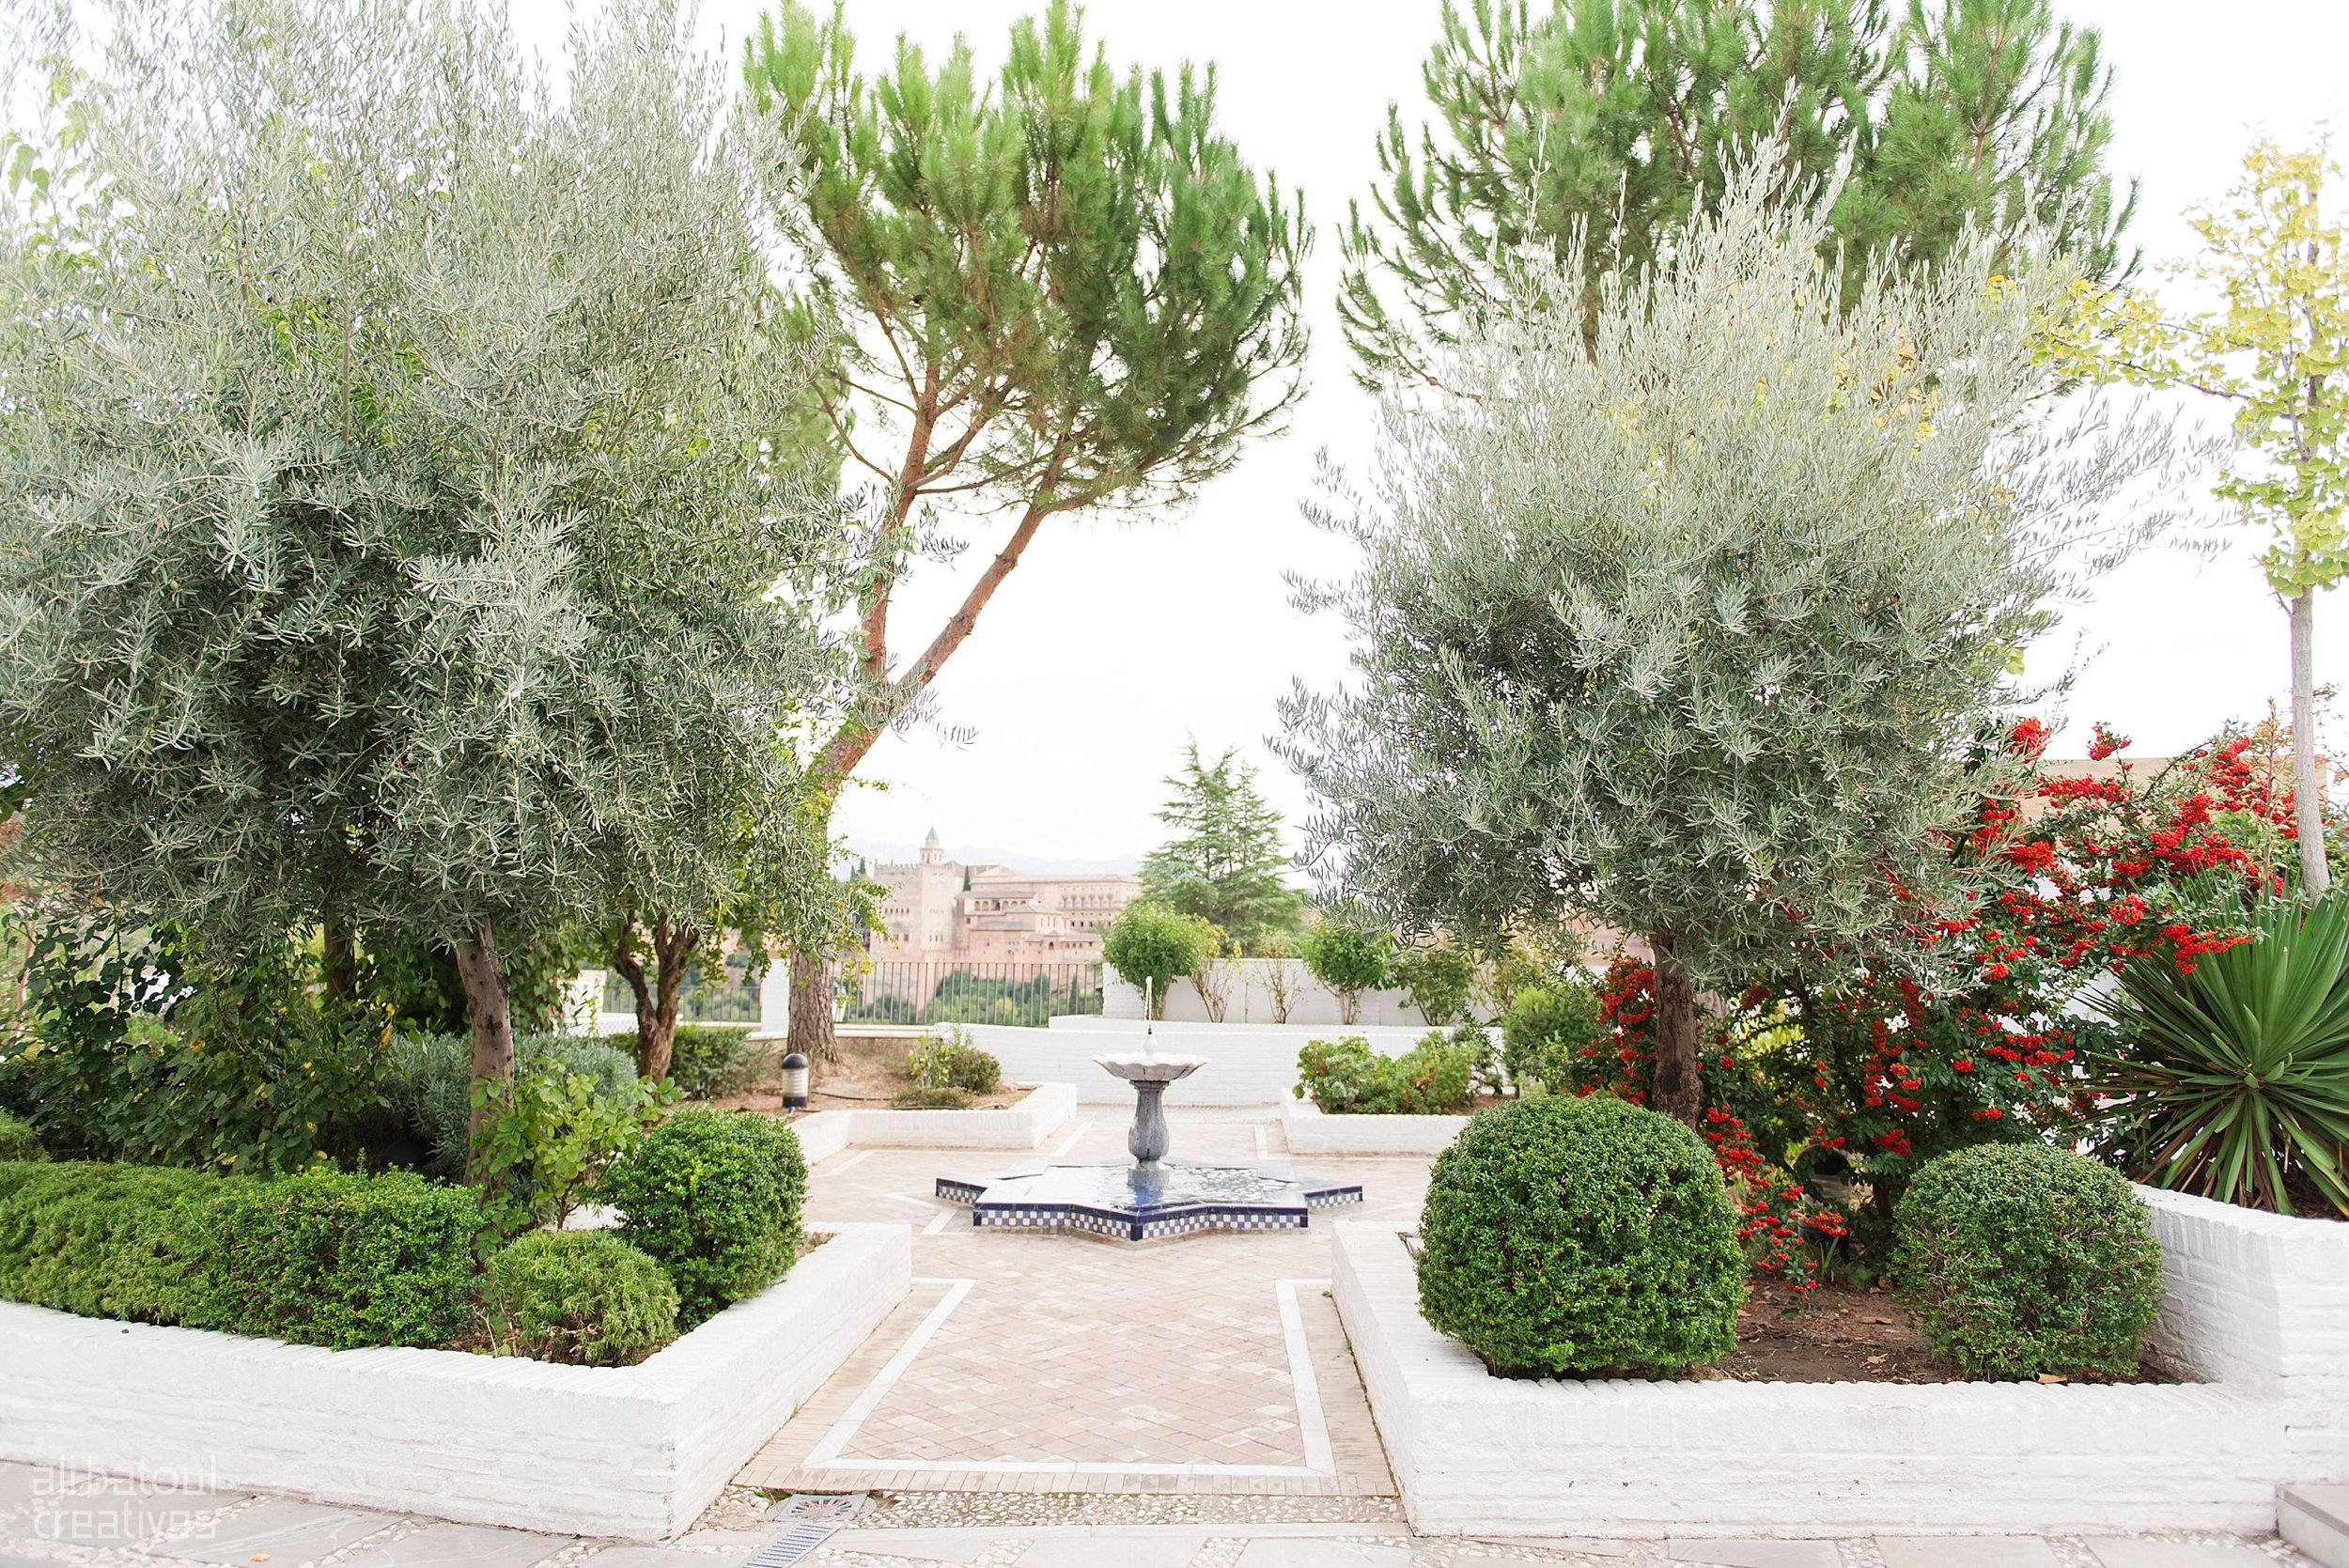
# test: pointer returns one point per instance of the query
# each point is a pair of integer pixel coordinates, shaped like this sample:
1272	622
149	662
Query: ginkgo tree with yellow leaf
2272	343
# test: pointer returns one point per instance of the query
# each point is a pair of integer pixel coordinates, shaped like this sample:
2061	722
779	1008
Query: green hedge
105	1240
713	1197
430	1083
1567	1236
343	1261
586	1297
2023	1261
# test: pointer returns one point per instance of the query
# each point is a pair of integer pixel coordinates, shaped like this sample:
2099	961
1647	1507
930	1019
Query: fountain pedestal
1152	1198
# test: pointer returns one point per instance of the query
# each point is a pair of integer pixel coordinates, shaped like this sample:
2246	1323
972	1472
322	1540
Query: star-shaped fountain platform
1145	1201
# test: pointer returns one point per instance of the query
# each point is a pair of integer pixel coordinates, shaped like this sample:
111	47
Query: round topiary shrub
2024	1261
1581	1236
1544	1033
713	1197
585	1298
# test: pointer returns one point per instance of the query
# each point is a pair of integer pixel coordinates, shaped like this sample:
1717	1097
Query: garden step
2316	1520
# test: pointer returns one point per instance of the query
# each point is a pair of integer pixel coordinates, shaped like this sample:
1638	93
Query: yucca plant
2235	1077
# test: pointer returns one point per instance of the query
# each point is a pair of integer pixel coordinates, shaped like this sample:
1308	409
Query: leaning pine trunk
811	1032
488	1007
2308	800
1679	1089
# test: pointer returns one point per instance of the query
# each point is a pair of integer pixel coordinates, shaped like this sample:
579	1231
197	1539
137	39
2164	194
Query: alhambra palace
935	910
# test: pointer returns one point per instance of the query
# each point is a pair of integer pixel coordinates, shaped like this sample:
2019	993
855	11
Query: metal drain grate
836	1508
803	1537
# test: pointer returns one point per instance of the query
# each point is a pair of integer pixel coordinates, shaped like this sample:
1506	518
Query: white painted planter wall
2257	1303
635	1451
1042	1111
1310	1130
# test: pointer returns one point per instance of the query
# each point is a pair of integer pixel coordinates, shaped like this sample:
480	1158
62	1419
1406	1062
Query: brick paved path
1030	1362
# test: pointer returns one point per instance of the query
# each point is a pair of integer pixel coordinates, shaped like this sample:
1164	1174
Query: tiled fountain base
1129	1203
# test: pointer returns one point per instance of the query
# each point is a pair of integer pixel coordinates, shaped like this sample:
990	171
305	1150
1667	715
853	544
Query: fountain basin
1147	1201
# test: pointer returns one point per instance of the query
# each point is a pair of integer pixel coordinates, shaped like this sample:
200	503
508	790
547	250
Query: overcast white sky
1115	640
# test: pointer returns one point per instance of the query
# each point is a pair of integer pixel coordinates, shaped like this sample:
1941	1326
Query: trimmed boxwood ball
18	1140
585	1298
1572	1238
713	1197
2021	1261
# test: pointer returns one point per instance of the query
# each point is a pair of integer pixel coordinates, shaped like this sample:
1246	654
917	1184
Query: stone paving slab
1965	1551
2178	1554
283	1533
461	1547
108	1513
1728	1553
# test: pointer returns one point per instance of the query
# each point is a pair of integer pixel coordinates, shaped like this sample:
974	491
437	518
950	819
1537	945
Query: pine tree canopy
396	517
1704	629
1617	119
1064	291
1225	863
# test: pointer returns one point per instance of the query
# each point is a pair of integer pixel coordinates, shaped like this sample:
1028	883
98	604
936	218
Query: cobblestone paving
1210	1364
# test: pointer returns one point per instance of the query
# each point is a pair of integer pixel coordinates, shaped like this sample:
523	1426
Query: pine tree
1225	863
1616	119
1065	293
1702	629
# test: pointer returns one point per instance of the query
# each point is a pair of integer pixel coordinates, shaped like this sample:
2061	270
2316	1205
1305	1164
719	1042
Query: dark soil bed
870	1071
1839	1334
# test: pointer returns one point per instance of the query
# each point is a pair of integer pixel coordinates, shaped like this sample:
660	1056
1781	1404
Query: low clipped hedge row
710	1202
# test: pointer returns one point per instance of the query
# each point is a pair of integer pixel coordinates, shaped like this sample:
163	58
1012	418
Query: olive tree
395	517
1701	626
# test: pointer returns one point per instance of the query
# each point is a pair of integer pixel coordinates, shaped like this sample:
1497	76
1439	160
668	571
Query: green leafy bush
430	1083
1151	942
713	1197
1546	1030
1439	1075
325	1258
1349	953
236	1063
2233	1081
18	1140
105	1240
707	1062
950	1061
1577	1236
585	1298
550	1134
1441	977
2023	1260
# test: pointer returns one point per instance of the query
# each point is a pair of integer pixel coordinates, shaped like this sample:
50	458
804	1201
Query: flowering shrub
1963	1035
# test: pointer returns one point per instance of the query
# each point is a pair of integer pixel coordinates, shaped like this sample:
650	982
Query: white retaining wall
1495	1455
1247	1063
1310	1130
635	1451
2261	1302
1025	1125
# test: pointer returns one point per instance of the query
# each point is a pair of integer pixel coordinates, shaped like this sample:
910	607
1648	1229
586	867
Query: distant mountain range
876	849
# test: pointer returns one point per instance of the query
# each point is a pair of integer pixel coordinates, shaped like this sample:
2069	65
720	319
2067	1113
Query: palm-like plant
2235	1075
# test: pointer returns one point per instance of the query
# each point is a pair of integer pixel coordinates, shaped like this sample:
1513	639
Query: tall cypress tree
1621	118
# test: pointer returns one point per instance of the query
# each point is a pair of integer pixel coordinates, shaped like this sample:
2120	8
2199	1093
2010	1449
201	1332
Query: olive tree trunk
660	994
812	1034
489	1011
1679	1088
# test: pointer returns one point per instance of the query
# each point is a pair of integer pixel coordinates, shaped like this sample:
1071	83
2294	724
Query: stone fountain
1151	1199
